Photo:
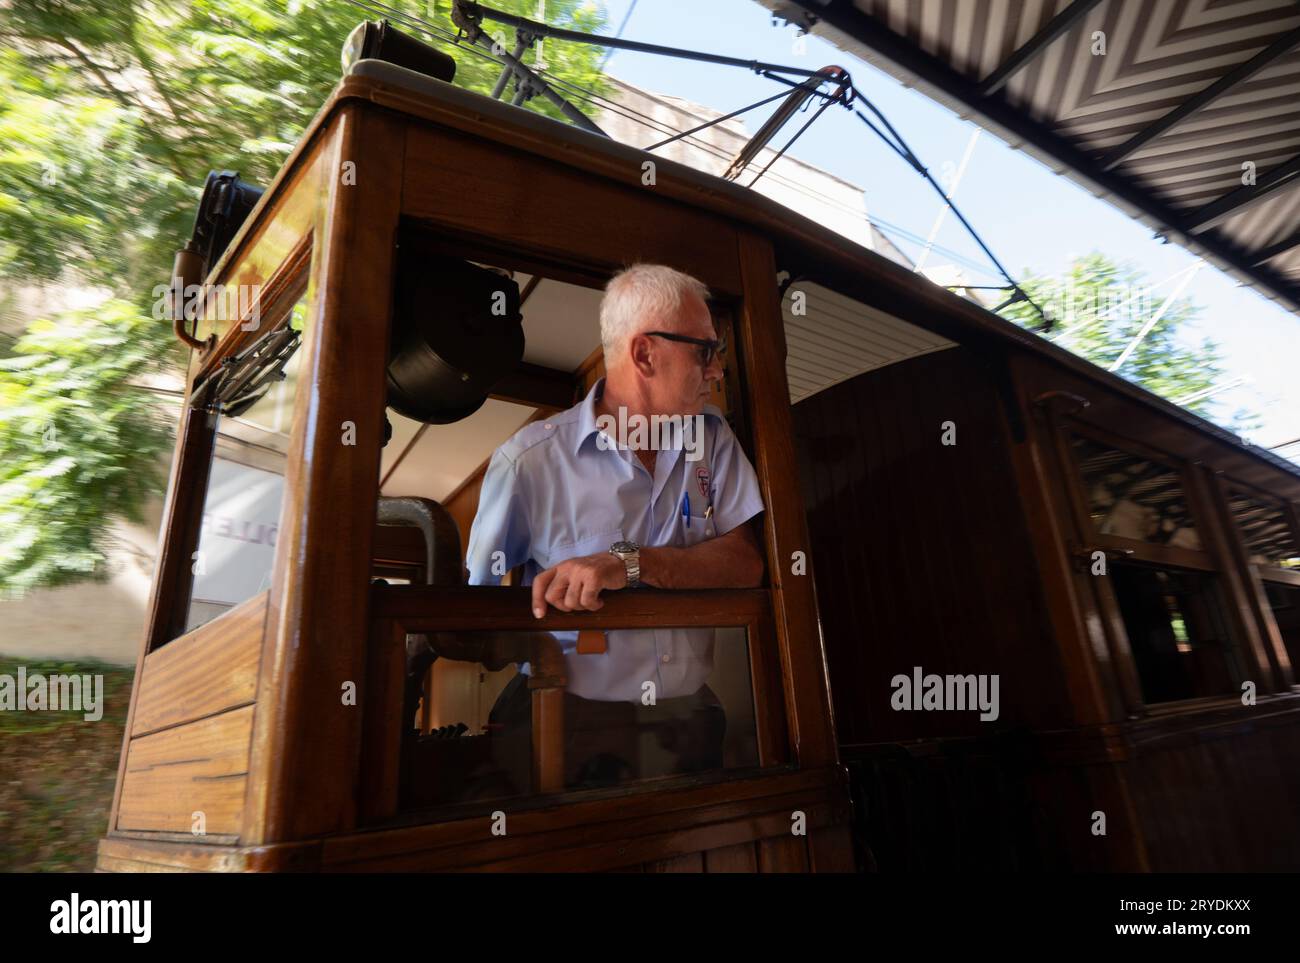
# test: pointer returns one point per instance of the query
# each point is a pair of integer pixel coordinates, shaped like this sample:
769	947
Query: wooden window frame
1289	515
1201	559
399	610
1207	507
196	442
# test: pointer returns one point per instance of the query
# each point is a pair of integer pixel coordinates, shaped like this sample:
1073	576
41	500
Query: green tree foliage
1099	307
112	113
70	417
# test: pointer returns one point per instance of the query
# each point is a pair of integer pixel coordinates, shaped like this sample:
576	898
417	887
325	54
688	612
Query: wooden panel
721	821
308	737
690	863
120	854
535	386
783	854
1220	799
830	850
465	184
613	816
794	601
741	858
462	505
212	669
198	767
572	851
921	549
382	708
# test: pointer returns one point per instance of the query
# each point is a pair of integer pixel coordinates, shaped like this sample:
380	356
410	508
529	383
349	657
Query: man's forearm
732	561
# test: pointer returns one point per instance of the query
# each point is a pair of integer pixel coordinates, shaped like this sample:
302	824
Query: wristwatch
630	553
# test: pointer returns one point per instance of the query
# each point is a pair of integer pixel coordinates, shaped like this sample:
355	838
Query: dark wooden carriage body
958	558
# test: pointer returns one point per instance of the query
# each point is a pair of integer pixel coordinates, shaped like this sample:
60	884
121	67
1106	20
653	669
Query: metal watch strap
631	559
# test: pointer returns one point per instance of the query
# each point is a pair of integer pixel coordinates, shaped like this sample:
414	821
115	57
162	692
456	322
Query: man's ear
641	350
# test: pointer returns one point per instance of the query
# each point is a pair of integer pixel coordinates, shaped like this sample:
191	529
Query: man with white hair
669	507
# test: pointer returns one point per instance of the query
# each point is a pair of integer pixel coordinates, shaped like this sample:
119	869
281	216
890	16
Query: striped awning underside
1189	120
831	338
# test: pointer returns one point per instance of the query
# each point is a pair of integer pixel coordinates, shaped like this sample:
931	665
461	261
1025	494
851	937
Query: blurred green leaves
72	429
1100	306
112	113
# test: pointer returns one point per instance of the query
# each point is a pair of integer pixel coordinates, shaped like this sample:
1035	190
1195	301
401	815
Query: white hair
641	297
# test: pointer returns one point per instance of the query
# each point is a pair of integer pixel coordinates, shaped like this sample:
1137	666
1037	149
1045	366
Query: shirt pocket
697	527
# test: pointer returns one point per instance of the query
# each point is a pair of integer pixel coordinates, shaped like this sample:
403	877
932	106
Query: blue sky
1032	219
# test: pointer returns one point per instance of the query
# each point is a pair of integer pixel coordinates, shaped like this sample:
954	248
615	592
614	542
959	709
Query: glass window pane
1264	528
471	732
1177	631
241	509
1284	600
1135	498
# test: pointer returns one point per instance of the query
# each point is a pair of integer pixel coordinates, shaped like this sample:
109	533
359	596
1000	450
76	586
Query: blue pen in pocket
686	509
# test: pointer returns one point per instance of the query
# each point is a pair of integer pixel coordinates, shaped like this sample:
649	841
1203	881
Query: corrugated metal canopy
1161	124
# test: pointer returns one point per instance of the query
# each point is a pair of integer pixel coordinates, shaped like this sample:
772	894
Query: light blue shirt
552	493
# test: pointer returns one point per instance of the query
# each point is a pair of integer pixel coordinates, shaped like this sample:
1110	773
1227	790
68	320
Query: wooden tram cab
280	731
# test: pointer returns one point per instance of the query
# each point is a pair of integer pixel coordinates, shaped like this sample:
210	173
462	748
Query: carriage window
1177	632
1270	542
1284	601
481	729
1131	497
1165	582
253	407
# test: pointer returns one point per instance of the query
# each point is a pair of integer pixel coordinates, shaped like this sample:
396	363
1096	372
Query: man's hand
576	584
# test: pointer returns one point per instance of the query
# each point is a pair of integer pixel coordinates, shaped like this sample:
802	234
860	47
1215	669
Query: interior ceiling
561	329
1160	125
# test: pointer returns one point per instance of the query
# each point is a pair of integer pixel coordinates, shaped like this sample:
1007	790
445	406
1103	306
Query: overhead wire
892	139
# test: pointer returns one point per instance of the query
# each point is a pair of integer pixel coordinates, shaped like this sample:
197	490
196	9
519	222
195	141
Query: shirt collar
587	414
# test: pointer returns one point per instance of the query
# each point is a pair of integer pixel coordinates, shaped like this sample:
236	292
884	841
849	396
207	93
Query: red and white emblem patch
702	477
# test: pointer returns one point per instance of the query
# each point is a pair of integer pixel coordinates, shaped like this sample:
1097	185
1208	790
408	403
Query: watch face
621	548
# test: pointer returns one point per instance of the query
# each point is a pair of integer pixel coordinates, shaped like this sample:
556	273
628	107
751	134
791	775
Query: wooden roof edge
395	88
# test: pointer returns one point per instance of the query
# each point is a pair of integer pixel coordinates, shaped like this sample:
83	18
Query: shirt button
667	658
549	426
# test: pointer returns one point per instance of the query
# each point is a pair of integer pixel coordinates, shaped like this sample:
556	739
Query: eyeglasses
706	349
